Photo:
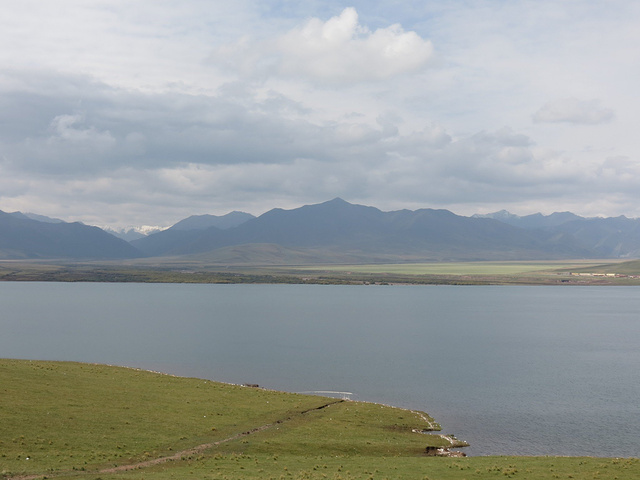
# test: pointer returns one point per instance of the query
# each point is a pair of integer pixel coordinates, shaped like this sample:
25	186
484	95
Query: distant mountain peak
535	220
133	233
500	215
333	203
337	201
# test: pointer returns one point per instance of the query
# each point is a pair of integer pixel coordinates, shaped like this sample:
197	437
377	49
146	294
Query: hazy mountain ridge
336	231
35	216
610	237
339	229
23	238
535	220
202	222
194	222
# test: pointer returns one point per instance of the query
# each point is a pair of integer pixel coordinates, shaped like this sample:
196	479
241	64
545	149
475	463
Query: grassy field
80	421
485	273
439	273
454	268
362	467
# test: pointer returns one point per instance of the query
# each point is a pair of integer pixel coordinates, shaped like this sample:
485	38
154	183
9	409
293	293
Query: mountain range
24	236
334	231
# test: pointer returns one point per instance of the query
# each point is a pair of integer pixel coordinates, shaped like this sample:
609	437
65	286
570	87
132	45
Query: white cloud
572	110
339	50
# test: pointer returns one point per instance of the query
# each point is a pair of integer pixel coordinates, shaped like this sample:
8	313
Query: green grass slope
79	417
69	420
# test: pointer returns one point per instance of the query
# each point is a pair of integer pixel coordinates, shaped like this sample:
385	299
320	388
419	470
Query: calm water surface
512	370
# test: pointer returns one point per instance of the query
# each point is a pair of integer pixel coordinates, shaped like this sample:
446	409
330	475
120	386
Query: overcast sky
132	112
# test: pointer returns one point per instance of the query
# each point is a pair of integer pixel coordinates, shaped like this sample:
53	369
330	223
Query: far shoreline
526	273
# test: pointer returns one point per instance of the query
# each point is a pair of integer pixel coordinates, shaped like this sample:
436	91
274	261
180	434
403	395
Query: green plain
435	273
70	420
446	268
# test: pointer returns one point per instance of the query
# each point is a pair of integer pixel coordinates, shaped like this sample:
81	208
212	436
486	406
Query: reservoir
510	369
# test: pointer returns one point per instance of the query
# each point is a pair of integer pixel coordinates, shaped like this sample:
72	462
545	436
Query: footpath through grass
69	420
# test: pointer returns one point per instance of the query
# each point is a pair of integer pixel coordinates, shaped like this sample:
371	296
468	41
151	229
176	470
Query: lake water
512	370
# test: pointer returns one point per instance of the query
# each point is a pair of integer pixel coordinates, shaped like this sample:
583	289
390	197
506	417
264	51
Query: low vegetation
436	273
70	420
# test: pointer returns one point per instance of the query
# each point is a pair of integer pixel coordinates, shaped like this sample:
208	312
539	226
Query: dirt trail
183	453
176	456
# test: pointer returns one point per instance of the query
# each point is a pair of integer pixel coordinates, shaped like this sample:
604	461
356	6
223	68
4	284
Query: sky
142	112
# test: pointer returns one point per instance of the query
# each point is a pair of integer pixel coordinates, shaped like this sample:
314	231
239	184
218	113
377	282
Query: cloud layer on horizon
128	116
